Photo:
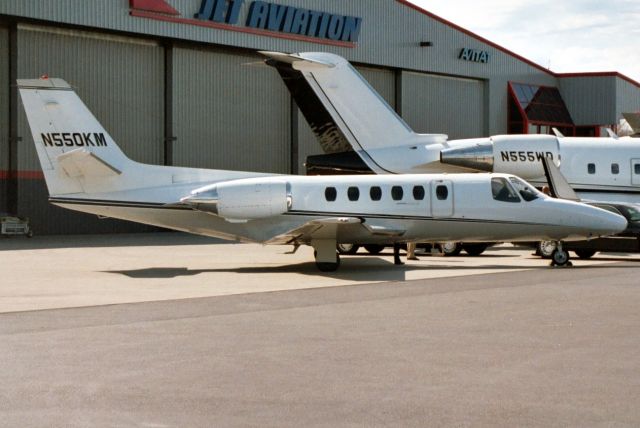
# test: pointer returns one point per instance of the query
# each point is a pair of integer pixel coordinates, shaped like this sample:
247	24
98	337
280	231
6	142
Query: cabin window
442	192
502	190
330	194
418	193
591	168
397	193
615	168
636	168
375	193
353	193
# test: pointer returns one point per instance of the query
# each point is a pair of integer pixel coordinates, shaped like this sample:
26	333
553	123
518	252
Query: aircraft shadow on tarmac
354	269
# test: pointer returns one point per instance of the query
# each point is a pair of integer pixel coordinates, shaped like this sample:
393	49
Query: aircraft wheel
349	249
374	249
451	249
560	258
546	248
585	254
329	267
474	250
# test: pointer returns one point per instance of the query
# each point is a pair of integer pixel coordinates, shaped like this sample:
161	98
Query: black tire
474	250
329	267
560	258
349	249
585	254
451	249
545	249
374	248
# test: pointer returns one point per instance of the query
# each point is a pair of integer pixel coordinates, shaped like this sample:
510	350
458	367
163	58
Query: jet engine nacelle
520	155
252	200
242	200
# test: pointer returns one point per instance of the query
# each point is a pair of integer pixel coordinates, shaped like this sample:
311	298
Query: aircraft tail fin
69	140
344	111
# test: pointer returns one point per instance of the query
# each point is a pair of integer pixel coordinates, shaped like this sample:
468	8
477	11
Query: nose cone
603	223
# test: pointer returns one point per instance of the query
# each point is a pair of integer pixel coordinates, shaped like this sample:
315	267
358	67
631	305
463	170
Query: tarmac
162	330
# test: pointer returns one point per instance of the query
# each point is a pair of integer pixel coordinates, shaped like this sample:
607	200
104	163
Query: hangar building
175	82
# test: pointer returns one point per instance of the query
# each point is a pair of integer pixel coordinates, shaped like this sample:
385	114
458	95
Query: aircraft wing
335	227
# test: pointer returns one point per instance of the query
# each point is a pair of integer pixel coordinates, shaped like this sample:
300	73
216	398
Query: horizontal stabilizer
83	163
291	58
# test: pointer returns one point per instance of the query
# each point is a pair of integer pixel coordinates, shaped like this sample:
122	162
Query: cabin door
441	198
635	172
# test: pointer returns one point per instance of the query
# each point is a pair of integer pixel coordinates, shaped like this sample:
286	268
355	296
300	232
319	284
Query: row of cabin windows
615	168
375	193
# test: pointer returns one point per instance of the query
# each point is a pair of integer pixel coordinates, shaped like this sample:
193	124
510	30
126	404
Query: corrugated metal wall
229	115
627	97
390	37
382	80
122	82
437	104
4	116
590	100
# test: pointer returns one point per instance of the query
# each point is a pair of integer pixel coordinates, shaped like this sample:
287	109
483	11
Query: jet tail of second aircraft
342	108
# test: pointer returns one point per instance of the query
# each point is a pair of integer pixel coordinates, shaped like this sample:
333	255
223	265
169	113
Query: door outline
441	207
635	178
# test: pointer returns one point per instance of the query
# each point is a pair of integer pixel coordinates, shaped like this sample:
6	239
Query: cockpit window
502	190
527	192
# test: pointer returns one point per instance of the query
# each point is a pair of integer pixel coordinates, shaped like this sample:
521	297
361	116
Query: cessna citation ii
360	132
86	171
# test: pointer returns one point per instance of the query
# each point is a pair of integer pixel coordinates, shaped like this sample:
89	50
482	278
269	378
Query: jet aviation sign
285	19
259	17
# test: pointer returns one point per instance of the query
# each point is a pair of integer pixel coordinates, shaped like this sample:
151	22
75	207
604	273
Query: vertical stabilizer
69	140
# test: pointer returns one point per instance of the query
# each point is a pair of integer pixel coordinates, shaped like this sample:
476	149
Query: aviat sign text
474	55
283	19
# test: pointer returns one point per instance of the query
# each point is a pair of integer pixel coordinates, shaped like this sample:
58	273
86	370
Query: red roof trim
513	54
257	32
158	6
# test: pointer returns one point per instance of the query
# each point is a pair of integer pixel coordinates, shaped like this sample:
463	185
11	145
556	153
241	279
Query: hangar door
442	104
383	81
121	81
229	113
4	117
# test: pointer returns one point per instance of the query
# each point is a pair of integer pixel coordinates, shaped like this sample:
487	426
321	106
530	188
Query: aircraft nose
607	223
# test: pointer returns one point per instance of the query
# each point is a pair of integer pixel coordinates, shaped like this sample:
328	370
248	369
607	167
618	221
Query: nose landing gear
560	257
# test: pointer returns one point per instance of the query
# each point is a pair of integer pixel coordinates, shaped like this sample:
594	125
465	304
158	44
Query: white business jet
349	117
86	171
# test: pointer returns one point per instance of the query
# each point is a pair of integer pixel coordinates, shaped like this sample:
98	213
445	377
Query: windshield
527	191
502	190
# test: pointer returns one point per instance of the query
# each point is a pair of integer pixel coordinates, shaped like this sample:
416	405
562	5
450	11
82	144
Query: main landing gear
327	257
560	257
